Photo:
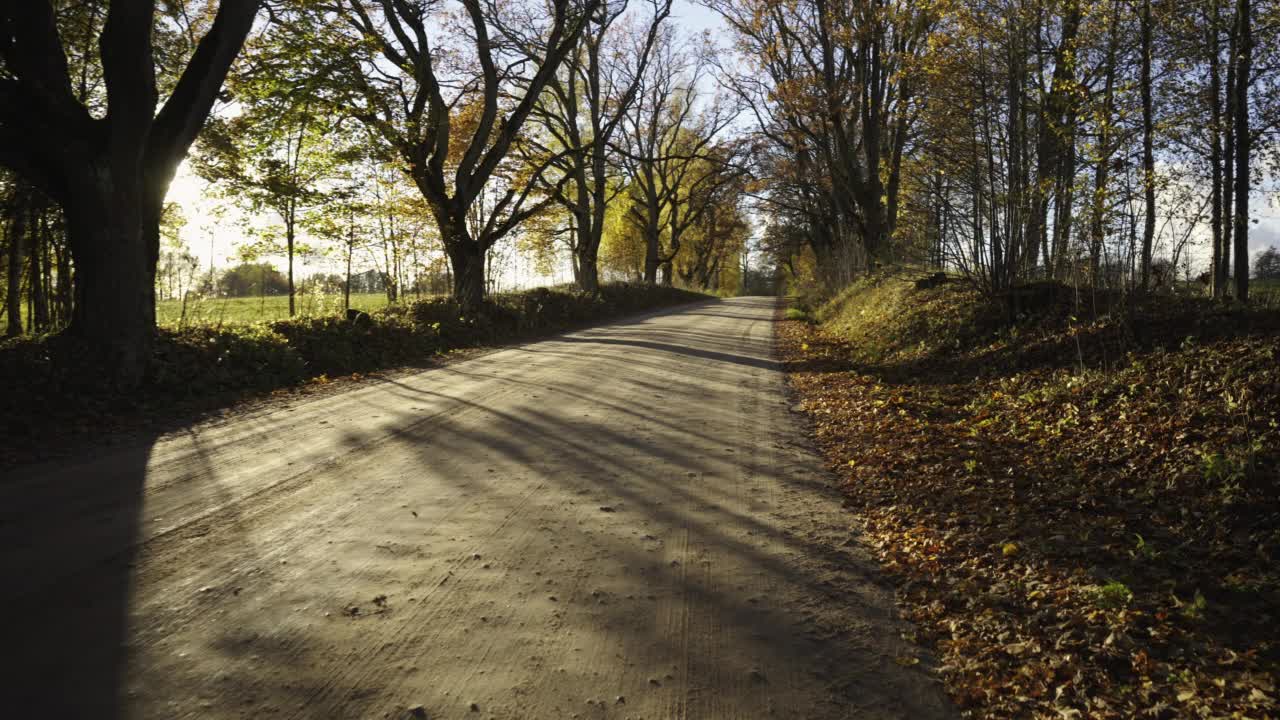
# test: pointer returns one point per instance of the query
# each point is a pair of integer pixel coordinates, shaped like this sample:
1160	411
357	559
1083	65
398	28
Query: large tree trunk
588	273
1245	69
115	293
110	174
590	235
467	259
651	259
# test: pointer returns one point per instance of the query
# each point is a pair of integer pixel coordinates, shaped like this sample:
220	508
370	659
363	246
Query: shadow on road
70	537
679	349
66	546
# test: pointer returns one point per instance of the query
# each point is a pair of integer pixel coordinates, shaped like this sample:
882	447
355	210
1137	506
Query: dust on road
622	522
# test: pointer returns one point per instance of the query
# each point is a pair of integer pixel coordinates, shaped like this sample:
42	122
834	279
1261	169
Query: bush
51	376
207	360
336	346
55	376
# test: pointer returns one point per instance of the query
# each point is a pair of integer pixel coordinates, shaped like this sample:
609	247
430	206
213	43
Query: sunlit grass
215	311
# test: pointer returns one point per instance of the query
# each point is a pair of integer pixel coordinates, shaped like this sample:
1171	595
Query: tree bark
1102	171
1215	155
1228	171
13	294
39	287
1148	150
114	293
588	273
1245	69
289	232
467	259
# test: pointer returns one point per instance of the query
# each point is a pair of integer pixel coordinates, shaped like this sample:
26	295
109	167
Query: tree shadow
677	349
68	546
71	536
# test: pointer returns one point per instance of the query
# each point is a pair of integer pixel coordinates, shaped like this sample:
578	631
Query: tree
336	221
453	108
1148	147
15	236
251	278
587	101
669	149
709	260
1244	77
109	173
281	146
834	87
1266	266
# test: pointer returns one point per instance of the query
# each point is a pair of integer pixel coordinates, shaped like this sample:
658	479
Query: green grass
1265	292
225	311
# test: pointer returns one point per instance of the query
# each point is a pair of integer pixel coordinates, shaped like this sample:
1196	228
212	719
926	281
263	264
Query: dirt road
618	523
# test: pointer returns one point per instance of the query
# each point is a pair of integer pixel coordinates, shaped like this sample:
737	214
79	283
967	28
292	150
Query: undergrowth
52	389
1080	499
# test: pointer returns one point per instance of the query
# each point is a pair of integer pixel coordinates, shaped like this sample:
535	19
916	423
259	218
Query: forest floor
1081	510
618	522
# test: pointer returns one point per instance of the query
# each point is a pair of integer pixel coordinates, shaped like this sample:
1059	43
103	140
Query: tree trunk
1016	181
1215	156
115	294
289	237
65	304
39	258
588	274
1228	171
13	295
586	255
346	286
1102	172
1148	150
467	259
651	261
1245	60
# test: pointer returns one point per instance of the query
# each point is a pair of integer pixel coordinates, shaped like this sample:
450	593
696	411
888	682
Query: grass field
216	311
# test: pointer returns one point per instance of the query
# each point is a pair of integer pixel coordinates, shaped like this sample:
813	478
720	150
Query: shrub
1115	595
207	360
336	346
50	376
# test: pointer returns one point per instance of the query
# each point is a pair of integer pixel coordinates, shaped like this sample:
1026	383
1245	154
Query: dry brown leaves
1072	545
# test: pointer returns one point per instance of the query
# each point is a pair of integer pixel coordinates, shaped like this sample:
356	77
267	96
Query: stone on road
618	522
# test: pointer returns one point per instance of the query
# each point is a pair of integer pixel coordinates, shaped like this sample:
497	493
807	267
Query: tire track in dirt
616	522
